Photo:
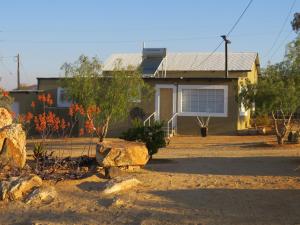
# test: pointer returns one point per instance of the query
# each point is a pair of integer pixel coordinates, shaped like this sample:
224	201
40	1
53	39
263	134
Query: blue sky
48	33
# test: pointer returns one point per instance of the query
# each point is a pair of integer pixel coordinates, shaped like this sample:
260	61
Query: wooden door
166	104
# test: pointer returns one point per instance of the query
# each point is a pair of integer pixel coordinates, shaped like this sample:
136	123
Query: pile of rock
28	188
12	141
119	155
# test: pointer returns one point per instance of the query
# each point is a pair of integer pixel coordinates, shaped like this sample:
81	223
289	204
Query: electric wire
228	33
281	29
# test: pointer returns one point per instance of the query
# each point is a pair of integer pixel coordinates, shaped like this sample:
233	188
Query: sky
48	33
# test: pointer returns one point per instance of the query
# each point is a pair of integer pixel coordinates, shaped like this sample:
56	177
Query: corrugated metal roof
237	61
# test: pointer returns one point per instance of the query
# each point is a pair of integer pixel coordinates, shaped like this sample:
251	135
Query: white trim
59	103
157	98
224	87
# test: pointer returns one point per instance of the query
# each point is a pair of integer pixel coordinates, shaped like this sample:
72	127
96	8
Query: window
203	100
62	98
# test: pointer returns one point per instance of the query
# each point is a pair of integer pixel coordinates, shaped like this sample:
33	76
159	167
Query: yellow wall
252	76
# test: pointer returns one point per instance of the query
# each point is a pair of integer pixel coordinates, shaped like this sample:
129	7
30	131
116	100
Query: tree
296	22
277	92
6	100
113	94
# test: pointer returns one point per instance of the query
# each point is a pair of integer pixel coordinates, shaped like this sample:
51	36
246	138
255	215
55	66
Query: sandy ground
213	180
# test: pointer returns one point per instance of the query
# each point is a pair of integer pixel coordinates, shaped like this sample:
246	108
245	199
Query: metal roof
237	61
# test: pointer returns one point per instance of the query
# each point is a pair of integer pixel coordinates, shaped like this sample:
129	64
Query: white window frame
59	103
223	87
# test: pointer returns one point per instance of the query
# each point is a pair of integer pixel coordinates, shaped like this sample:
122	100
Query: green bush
153	136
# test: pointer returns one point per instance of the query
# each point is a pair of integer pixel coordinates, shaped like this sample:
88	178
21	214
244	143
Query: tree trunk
279	139
104	130
281	129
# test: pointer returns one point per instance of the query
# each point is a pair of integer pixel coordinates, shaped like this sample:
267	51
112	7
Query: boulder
13	146
42	195
112	172
23	185
120	184
5	117
121	153
4	187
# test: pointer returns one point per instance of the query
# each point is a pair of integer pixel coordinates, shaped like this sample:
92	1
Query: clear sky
48	33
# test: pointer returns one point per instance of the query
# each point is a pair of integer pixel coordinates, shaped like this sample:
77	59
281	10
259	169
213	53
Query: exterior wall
188	125
205	74
24	99
49	86
252	76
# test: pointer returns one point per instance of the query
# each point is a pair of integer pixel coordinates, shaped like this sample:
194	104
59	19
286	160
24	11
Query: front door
165	102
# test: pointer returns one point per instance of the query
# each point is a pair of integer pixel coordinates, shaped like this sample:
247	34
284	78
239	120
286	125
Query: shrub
293	137
262	120
137	113
153	136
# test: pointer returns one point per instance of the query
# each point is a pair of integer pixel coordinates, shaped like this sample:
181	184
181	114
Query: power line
229	32
280	45
134	41
240	17
281	29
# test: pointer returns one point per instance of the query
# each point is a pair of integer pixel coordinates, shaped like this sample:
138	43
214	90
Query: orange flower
71	111
89	126
28	117
40	122
33	104
49	99
5	93
21	118
63	124
81	132
42	98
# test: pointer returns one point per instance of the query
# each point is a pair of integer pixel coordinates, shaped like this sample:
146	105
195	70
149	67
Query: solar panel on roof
150	65
152	58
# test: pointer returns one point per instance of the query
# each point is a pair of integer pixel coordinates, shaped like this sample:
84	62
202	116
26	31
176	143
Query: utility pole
226	54
18	71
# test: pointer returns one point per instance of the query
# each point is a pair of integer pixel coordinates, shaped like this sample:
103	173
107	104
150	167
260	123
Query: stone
23	185
121	184
13	146
112	172
261	130
120	153
4	187
5	117
42	195
130	168
118	202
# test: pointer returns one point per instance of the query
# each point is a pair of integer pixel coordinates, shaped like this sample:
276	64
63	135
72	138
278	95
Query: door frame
157	98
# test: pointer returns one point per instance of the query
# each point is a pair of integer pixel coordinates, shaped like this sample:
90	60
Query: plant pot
203	131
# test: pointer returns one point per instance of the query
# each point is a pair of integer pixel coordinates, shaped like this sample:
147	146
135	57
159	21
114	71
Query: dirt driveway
213	180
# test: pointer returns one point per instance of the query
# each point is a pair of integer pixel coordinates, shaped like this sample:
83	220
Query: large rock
42	194
4	188
121	153
120	184
17	187
13	146
23	185
5	117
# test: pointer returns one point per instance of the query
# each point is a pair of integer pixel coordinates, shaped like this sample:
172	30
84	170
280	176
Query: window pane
203	100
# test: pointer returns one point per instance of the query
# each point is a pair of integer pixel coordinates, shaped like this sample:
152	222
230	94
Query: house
186	85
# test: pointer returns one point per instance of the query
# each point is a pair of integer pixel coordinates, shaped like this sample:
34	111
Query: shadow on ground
239	206
252	166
